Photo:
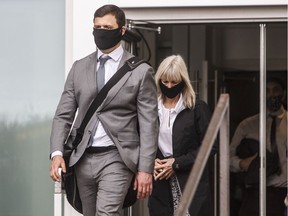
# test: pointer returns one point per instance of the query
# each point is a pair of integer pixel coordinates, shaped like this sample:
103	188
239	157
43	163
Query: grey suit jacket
131	102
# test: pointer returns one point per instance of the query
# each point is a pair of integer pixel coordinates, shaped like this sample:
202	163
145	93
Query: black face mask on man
171	92
274	103
106	39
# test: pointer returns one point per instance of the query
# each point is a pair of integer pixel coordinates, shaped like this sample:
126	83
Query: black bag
249	147
69	182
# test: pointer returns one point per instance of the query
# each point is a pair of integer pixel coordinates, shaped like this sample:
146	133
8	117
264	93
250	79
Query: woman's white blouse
167	118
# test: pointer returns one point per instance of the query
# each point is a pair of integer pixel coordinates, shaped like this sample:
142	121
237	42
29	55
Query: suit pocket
129	88
130	140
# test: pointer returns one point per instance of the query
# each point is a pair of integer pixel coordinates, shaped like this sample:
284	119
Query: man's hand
245	163
143	182
57	162
163	168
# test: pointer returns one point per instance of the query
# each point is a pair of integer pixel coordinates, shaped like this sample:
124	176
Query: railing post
203	155
224	195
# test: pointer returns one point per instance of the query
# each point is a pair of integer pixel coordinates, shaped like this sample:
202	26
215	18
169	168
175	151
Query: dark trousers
274	202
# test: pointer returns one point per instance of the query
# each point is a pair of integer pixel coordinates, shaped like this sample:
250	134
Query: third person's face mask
274	103
106	39
171	92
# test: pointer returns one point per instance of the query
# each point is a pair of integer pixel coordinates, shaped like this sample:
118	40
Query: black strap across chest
129	65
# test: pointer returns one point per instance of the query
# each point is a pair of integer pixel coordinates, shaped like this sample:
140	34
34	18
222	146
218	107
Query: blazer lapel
91	72
125	57
115	89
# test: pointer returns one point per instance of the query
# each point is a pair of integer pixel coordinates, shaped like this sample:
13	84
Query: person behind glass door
183	121
112	148
249	128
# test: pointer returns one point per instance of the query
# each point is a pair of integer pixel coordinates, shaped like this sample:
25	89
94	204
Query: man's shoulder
80	63
88	57
250	120
127	56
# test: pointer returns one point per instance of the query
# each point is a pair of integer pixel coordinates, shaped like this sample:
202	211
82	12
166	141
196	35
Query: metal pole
262	139
215	185
130	211
204	83
217	155
58	198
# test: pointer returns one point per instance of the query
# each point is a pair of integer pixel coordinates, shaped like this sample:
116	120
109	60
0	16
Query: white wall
82	43
180	3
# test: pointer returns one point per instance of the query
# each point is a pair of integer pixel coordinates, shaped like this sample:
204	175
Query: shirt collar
279	114
180	105
115	54
178	108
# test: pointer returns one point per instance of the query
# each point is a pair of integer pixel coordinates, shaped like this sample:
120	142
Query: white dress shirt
167	118
249	128
100	137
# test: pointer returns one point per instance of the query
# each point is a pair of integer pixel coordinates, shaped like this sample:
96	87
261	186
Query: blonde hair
173	68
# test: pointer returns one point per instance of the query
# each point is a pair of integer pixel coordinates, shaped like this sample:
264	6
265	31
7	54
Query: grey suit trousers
103	180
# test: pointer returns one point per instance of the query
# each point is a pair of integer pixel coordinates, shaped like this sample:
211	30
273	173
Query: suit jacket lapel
114	90
91	72
126	55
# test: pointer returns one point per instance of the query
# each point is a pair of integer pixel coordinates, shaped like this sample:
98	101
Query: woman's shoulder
200	104
202	109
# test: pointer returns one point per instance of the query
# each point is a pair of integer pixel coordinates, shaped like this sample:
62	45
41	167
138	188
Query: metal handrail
219	121
58	197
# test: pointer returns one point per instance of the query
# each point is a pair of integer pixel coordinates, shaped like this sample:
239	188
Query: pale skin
143	180
245	163
163	168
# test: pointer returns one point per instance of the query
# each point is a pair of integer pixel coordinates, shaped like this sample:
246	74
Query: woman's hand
157	171
163	168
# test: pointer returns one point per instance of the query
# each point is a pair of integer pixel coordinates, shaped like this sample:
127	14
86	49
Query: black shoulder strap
129	65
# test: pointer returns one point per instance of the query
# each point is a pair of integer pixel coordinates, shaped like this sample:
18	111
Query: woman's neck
170	102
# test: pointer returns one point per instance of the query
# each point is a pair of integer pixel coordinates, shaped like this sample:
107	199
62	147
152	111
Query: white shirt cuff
55	153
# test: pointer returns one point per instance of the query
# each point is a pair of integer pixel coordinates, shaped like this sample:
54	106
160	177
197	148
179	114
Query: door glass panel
232	51
32	77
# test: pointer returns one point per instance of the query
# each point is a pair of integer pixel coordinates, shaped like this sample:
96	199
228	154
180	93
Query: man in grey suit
120	140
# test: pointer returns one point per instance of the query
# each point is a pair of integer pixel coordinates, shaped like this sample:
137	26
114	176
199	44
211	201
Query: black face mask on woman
106	39
171	92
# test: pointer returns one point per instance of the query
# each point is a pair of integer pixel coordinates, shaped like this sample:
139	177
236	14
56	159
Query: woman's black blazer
188	132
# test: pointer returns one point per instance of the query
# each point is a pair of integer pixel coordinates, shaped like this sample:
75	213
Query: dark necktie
274	148
101	73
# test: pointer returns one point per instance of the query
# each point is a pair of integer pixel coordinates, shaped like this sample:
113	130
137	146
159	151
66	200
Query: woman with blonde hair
183	120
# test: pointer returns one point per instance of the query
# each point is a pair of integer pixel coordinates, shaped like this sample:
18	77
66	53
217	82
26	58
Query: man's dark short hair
277	80
114	10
